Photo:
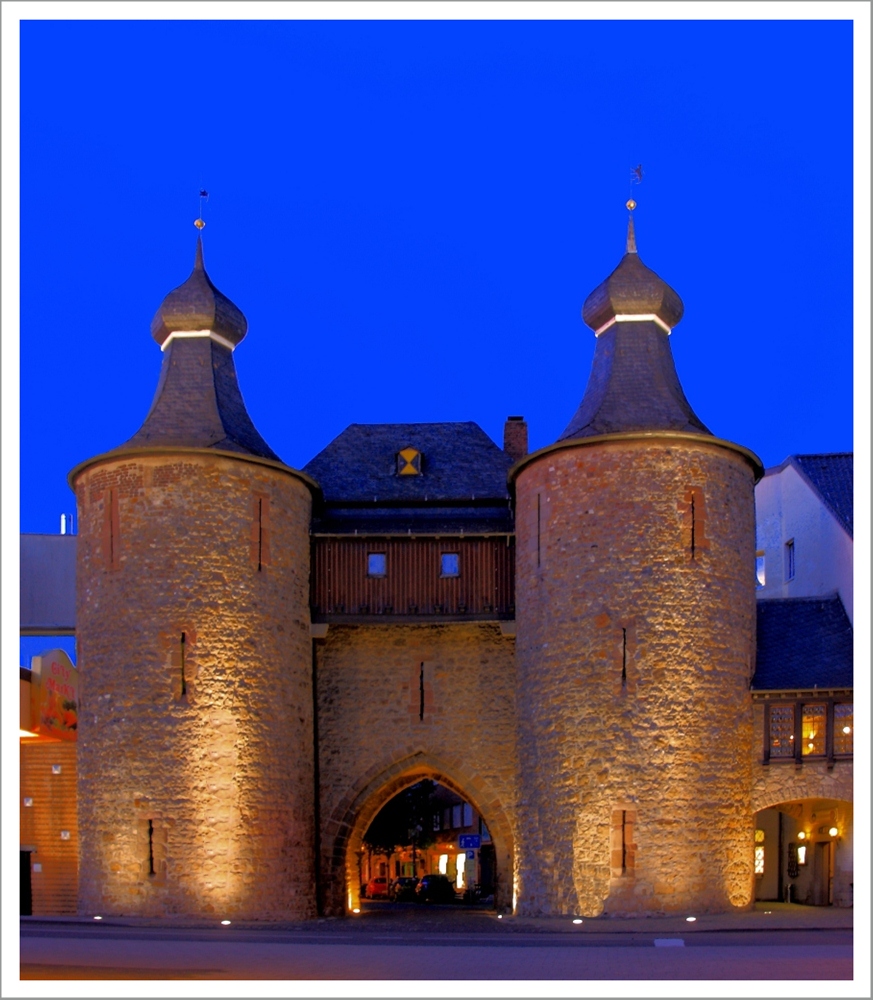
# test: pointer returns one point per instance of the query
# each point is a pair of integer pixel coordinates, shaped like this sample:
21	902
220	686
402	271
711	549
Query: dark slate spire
198	403
633	383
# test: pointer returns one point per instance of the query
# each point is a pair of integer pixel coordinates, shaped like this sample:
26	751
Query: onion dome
198	403
197	308
632	290
633	384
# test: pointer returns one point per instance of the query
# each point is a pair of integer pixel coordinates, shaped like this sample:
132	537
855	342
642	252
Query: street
405	942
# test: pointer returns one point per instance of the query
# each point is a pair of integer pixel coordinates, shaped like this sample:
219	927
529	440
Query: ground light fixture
225	923
499	916
577	921
356	909
98	918
690	920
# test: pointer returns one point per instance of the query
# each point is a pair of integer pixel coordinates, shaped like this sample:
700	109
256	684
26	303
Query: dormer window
409	462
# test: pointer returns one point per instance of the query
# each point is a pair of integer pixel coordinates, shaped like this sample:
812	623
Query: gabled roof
459	462
803	643
832	477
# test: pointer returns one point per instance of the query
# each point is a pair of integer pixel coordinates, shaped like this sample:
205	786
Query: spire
631	235
198	403
633	383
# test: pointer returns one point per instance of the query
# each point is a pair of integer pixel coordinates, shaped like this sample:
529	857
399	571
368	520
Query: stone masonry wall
195	724
378	735
636	629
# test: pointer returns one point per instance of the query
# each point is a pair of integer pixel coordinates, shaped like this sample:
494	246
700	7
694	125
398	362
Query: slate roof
462	487
803	643
832	477
633	385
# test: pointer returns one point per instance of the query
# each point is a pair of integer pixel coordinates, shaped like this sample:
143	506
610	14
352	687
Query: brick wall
52	812
195	724
636	629
403	702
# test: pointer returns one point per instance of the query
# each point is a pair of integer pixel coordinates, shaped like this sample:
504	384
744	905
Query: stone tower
636	630
196	785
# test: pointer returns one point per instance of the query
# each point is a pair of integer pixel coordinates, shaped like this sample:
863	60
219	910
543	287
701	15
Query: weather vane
198	222
636	177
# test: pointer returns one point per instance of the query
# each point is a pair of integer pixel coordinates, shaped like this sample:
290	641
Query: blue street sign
468	841
471	855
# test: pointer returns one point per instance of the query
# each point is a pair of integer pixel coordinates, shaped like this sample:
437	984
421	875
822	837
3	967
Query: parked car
435	889
403	888
377	887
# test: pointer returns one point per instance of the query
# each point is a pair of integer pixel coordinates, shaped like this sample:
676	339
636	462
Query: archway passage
344	849
803	852
427	845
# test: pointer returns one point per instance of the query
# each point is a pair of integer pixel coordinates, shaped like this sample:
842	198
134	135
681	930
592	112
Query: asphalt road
414	950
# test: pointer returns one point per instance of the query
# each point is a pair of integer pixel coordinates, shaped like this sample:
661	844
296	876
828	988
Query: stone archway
344	831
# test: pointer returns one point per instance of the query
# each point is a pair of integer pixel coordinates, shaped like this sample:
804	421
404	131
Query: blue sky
410	214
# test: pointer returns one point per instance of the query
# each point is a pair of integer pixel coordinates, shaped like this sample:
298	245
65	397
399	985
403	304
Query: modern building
565	641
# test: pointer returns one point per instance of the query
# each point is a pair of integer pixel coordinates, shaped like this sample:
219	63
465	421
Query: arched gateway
354	813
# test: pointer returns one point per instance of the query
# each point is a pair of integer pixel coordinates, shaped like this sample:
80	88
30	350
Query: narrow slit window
151	847
182	672
624	658
260	534
760	570
539	527
421	693
789	560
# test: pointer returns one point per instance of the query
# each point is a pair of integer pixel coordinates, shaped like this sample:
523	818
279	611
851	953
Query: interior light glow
443	863
801	854
461	867
690	920
768	911
801	835
833	831
357	909
224	923
499	916
847	730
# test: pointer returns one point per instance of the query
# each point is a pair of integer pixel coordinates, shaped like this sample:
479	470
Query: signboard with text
54	696
469	841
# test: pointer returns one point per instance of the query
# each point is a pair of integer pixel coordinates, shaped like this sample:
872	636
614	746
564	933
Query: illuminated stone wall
199	801
401	702
633	664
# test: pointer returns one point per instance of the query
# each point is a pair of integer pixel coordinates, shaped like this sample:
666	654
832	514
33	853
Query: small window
759	859
376	564
449	564
814	724
789	560
456	817
781	730
468	814
844	728
760	573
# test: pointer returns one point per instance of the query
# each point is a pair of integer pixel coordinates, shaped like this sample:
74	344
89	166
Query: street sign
469	841
471	855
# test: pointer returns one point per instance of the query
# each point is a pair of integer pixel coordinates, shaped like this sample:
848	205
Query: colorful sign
468	841
54	696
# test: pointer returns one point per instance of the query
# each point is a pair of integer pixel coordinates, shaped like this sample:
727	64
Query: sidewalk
457	921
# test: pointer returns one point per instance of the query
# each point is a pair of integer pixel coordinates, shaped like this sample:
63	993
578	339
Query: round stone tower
196	785
635	635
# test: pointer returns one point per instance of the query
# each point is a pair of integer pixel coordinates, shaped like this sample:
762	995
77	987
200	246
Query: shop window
844	729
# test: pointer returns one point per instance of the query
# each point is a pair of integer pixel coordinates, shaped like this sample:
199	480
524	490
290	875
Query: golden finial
198	222
630	204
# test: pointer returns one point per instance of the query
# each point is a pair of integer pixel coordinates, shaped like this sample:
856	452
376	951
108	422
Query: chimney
515	437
